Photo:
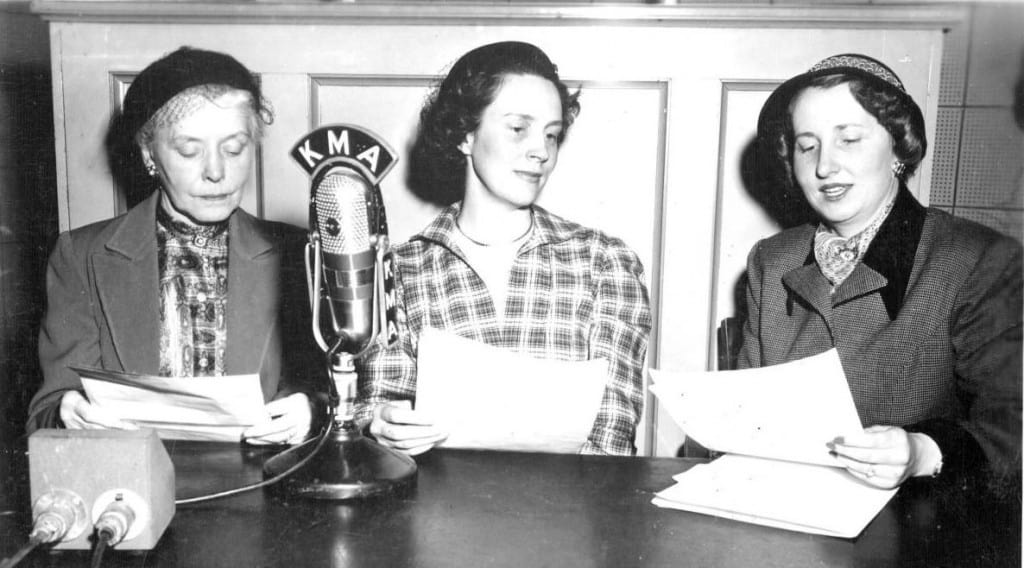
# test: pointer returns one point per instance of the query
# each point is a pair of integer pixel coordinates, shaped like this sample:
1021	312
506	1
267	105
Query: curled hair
437	171
893	109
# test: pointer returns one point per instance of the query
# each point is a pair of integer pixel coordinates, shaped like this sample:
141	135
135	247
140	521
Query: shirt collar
547	228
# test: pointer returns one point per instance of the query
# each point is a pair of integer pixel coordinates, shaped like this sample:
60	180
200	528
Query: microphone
350	274
345	218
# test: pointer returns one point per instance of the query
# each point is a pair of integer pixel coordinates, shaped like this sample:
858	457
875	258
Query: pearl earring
151	169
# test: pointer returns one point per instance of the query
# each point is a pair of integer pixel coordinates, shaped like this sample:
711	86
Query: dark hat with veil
154	86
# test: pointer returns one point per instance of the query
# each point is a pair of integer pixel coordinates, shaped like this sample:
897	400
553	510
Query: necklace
480	244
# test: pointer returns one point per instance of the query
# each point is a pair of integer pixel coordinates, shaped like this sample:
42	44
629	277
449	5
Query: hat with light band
775	112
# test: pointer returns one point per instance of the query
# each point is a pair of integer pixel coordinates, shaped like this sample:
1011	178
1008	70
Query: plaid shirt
574	294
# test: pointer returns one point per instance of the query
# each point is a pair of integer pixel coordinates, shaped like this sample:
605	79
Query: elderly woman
923	307
497	268
184	284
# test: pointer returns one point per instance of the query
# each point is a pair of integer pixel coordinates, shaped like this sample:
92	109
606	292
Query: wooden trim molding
481	13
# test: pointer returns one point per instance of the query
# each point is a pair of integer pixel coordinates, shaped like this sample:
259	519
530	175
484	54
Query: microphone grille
341	215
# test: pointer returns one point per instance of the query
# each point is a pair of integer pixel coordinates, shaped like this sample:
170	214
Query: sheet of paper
490	398
786	412
792	496
187	408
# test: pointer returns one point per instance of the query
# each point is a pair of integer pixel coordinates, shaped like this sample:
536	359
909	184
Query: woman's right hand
396	425
77	413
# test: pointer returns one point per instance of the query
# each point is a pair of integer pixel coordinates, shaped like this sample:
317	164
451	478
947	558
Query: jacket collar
886	265
127	282
133	239
892	251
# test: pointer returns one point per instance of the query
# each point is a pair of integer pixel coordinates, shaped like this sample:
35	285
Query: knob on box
99	468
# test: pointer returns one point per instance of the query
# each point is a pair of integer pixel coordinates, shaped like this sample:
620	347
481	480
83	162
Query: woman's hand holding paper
76	412
290	420
885	456
397	425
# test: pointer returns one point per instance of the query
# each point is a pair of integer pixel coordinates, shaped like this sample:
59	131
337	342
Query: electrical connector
115	521
58	515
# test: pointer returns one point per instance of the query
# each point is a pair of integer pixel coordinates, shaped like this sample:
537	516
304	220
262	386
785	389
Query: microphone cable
320	441
34	540
103	538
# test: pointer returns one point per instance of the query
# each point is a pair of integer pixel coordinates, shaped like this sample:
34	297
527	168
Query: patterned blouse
574	294
193	265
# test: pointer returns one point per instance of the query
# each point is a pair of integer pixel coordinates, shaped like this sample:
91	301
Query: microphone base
347	466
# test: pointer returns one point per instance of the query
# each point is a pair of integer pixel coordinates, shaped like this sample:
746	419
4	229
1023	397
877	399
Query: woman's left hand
290	420
883	456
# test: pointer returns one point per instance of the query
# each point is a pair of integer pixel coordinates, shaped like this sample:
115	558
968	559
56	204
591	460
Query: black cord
320	441
103	537
324	434
29	546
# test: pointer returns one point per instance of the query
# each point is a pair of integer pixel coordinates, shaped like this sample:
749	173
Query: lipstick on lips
835	191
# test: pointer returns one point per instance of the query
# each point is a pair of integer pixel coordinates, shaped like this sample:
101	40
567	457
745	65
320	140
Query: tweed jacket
574	294
928	328
103	307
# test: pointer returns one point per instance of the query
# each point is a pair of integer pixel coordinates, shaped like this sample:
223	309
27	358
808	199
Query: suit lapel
862	281
253	266
807	283
126	282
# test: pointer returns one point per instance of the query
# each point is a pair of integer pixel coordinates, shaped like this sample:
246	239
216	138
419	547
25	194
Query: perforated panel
954	66
996	39
945	152
1007	222
991	160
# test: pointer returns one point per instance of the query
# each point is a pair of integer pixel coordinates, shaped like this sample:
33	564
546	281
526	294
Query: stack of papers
182	408
774	423
491	398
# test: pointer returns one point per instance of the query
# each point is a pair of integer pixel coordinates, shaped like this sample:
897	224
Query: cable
334	399
57	514
103	538
22	553
324	434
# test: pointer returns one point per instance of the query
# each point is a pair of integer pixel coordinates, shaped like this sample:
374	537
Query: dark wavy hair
437	171
893	109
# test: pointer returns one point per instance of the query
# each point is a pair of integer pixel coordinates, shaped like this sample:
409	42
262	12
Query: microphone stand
348	465
343	464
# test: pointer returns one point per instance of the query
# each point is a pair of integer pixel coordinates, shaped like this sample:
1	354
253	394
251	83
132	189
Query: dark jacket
928	328
103	307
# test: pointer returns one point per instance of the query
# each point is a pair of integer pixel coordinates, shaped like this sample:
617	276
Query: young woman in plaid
497	268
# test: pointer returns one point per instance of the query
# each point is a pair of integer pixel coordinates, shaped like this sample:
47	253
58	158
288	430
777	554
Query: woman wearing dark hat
923	307
185	284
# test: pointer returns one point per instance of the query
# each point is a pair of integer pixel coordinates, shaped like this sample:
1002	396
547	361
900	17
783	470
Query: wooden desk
520	510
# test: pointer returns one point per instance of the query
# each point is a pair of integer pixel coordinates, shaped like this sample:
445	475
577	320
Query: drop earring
898	168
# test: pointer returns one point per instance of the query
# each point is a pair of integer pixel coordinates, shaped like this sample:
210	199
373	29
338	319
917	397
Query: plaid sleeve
622	325
387	373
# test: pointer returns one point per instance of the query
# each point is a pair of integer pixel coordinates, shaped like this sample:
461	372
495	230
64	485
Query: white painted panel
643	163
